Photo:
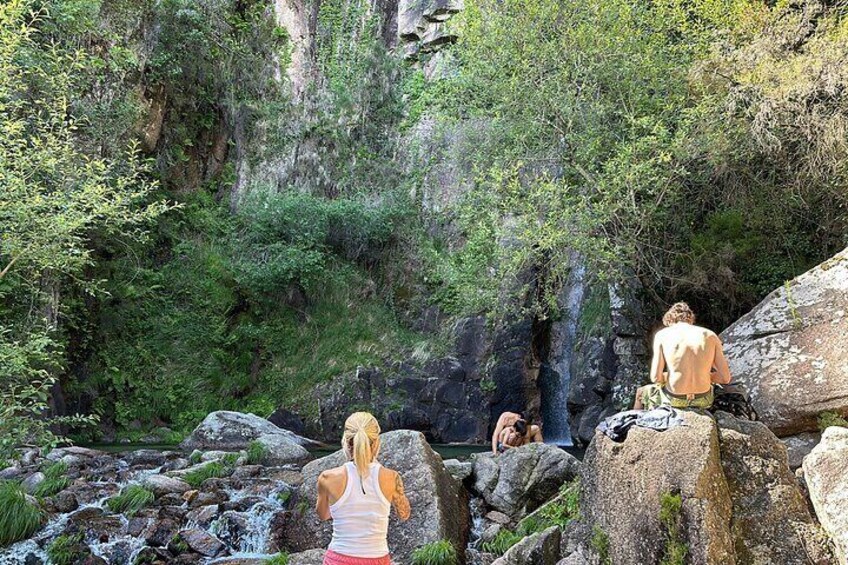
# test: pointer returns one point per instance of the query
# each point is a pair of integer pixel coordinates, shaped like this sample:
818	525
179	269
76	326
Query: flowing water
556	382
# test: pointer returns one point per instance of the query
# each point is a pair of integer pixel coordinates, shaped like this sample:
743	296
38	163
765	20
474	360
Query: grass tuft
212	470
501	543
67	549
256	453
55	480
600	542
675	549
828	419
131	499
440	552
279	559
19	518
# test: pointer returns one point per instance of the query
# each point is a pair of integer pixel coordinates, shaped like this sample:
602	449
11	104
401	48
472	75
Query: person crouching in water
358	497
687	360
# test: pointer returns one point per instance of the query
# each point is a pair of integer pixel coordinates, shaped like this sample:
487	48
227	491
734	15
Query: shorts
333	558
655	395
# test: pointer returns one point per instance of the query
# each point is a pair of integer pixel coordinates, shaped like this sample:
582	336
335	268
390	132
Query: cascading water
556	381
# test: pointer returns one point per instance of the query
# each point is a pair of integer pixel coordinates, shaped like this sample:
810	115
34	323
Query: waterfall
555	383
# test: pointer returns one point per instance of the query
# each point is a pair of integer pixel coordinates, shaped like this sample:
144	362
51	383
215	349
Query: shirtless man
507	433
687	360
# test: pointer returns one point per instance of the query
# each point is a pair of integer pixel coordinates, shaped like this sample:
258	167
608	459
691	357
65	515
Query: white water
123	548
563	341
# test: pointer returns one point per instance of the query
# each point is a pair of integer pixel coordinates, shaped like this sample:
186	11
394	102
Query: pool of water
447	451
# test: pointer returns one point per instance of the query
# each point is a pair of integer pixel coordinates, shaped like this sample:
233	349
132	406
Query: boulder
522	479
145	457
826	473
799	446
94	523
31	483
279	450
541	548
791	352
769	511
459	470
233	431
161	485
622	485
439	503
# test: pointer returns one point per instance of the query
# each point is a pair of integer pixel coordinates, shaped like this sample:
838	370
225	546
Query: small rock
65	502
203	543
161	533
161	485
799	446
498	517
460	470
190	495
146	457
538	549
204	515
30	483
10	473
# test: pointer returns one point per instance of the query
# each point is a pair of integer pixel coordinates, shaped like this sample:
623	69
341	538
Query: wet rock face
791	350
826	473
522	479
439	503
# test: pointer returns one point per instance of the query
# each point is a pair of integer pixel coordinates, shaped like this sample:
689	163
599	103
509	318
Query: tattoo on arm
400	501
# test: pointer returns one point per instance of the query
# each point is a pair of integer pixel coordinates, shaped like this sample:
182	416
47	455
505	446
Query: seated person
506	420
687	360
519	434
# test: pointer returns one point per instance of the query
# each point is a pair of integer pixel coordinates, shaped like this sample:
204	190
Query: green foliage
675	548
211	470
488	385
19	519
55	480
502	541
440	552
558	512
67	549
284	496
195	457
278	559
828	419
131	499
256	453
600	542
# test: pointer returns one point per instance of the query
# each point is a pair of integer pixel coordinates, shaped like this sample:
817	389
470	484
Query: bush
19	518
256	453
67	549
828	419
601	544
131	499
55	480
502	542
440	552
212	470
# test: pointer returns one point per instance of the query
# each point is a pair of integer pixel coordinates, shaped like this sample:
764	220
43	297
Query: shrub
230	459
502	542
256	453
19	518
55	480
440	552
828	419
279	559
131	499
195	457
213	470
67	549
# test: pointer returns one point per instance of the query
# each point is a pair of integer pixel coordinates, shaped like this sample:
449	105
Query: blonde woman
358	497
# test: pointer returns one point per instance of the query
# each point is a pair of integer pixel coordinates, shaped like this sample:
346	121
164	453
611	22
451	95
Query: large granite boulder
770	516
623	483
791	350
826	473
439	503
520	480
232	431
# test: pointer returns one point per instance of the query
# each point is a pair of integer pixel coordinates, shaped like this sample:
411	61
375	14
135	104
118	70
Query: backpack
734	399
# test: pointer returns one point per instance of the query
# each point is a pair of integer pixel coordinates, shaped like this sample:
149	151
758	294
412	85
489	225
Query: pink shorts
333	558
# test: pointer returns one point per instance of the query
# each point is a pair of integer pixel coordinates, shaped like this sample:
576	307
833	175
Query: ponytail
361	440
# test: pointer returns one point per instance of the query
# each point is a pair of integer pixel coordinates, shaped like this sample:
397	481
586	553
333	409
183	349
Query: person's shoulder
708	333
661	334
330	475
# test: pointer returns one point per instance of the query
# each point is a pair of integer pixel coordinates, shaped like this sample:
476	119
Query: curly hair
679	312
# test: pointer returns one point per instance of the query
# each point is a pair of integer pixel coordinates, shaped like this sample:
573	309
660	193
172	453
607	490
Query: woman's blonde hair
361	440
679	312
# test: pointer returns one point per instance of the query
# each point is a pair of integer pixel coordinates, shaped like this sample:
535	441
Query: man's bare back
688	353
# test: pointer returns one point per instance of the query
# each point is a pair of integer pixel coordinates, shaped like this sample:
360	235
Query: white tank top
361	516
